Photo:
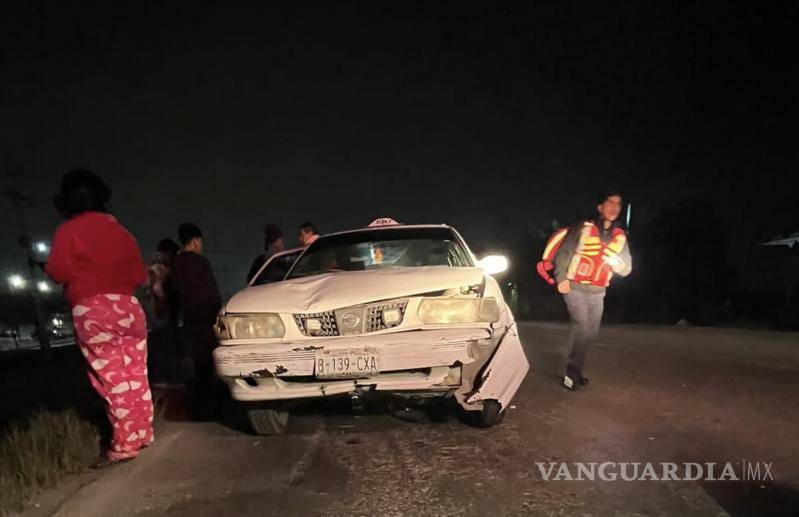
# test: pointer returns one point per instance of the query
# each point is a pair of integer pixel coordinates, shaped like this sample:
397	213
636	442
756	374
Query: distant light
16	282
43	286
57	322
41	247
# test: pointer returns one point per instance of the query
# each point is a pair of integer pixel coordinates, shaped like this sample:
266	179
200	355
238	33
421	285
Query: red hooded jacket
93	254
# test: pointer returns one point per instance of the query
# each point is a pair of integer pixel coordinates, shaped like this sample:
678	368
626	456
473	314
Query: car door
276	268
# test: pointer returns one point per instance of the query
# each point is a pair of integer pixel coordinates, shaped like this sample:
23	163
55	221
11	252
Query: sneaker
568	383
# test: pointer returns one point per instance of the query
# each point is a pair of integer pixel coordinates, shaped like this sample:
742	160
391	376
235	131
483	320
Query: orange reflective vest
592	262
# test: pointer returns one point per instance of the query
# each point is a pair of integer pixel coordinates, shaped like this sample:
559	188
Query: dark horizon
493	120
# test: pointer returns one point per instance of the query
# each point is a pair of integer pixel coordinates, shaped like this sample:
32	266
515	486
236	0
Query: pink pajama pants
112	334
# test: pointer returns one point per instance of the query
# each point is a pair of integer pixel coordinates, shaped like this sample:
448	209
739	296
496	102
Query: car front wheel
491	414
267	419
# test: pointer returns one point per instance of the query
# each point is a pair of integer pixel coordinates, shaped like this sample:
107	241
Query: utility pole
21	203
14	324
41	320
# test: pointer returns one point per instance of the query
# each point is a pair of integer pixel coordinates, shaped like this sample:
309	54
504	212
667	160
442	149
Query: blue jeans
585	311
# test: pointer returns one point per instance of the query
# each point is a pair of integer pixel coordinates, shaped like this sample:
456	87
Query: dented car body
399	309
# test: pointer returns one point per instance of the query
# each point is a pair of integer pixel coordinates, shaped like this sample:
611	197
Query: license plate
359	362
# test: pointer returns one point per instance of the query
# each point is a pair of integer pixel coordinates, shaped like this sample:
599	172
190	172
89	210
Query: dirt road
656	395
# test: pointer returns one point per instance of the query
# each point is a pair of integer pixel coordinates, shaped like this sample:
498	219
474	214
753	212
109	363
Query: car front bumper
427	362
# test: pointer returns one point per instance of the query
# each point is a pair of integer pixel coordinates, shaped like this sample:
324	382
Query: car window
381	249
276	269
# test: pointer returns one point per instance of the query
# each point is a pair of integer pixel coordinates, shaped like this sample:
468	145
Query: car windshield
276	269
383	249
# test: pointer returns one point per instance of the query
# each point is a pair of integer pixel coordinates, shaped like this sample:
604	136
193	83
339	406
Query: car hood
331	291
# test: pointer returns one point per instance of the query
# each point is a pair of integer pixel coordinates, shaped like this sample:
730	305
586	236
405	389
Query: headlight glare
494	264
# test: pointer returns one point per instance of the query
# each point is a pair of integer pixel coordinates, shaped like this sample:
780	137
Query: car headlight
493	264
458	310
249	326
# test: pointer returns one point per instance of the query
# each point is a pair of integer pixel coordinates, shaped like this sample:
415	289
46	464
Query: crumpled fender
502	375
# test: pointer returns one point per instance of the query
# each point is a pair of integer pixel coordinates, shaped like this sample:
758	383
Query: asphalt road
656	395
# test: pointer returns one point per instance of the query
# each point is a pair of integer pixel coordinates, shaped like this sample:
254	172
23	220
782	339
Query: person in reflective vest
584	258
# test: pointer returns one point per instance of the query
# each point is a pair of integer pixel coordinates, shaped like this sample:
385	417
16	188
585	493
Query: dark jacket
197	292
257	263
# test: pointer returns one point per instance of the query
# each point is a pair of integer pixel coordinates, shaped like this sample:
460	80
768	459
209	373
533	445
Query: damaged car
401	310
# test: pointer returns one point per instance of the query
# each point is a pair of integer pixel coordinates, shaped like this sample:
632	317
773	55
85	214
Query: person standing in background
307	234
100	266
273	243
199	301
160	305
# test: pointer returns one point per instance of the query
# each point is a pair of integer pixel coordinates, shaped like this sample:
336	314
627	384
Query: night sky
493	119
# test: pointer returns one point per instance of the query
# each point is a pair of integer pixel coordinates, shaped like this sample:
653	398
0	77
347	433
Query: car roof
390	227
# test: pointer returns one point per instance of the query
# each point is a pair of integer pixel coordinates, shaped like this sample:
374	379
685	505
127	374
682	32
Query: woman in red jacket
99	264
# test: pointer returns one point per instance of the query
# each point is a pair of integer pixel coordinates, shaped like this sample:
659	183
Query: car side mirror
493	264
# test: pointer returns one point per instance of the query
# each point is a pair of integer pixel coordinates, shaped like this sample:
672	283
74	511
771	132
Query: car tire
267	420
491	414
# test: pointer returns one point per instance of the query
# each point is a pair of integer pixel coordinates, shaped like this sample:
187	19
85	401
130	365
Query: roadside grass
51	423
37	453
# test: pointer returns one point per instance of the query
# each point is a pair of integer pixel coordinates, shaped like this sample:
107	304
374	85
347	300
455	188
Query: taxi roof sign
382	221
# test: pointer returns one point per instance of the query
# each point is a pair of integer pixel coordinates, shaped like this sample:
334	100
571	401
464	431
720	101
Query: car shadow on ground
368	413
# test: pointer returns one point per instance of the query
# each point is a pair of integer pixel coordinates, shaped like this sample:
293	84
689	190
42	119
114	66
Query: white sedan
402	309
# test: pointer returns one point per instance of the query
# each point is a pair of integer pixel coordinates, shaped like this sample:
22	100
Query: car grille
372	314
328	320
